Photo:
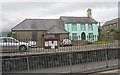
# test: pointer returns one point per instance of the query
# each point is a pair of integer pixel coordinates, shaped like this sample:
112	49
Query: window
1	40
8	40
90	27
74	35
4	40
74	27
115	25
91	37
83	27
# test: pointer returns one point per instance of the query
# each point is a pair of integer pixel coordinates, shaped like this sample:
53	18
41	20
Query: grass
100	42
90	43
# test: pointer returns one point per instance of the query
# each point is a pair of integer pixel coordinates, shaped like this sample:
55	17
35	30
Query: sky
13	12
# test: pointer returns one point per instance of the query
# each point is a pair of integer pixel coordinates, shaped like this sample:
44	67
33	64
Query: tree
9	34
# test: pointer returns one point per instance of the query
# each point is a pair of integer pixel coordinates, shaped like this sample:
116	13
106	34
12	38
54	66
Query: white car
32	44
66	42
9	44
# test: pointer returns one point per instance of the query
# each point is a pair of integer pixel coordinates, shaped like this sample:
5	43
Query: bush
89	42
9	34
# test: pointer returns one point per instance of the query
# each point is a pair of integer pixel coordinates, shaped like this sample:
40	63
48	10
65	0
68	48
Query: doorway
34	35
83	36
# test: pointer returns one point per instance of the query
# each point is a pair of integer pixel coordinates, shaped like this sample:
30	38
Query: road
111	71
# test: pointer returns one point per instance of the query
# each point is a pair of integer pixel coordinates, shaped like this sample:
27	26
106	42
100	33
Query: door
34	35
83	36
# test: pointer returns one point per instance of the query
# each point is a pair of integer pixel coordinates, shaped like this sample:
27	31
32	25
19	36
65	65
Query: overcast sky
15	12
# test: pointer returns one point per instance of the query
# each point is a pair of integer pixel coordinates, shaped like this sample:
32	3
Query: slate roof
55	29
37	24
111	22
46	24
72	19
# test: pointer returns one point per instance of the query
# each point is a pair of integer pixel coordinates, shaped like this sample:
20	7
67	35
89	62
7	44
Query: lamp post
99	29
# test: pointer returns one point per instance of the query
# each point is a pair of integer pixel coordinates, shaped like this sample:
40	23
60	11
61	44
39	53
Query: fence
43	61
26	54
28	45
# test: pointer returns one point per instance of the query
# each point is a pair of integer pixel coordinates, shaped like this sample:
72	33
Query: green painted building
81	28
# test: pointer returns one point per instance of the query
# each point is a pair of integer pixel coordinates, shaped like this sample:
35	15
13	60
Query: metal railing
28	46
37	57
43	61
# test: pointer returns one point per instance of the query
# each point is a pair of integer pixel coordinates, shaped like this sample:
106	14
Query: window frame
90	26
83	27
73	36
74	27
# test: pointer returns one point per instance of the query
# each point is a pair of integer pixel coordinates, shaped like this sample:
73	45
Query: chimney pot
89	13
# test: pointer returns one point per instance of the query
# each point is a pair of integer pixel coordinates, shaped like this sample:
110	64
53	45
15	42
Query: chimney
89	13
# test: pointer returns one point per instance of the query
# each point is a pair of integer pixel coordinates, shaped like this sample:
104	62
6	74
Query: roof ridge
113	19
61	28
41	19
110	21
57	27
50	28
75	16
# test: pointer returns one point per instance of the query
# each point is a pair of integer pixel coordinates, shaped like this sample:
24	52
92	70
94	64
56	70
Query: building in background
83	27
80	28
110	25
111	30
36	29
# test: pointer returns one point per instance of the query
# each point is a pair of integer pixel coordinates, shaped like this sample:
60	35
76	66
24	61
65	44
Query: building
37	29
111	24
110	29
83	27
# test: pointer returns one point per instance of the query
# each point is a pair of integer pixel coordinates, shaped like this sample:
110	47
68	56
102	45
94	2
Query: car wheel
23	48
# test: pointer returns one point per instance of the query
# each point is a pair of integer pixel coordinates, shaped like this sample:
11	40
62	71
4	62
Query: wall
68	27
23	35
27	34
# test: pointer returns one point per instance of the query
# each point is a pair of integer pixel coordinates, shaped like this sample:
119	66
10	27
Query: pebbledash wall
90	35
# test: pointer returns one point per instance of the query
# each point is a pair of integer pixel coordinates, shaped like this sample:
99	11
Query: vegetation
80	42
111	32
99	42
9	34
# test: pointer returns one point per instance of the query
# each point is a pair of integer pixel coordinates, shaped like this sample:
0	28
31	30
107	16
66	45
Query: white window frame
74	27
90	27
74	36
83	27
91	36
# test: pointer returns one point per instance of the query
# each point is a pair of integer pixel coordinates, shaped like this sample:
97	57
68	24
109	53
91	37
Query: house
81	28
111	24
37	29
111	30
